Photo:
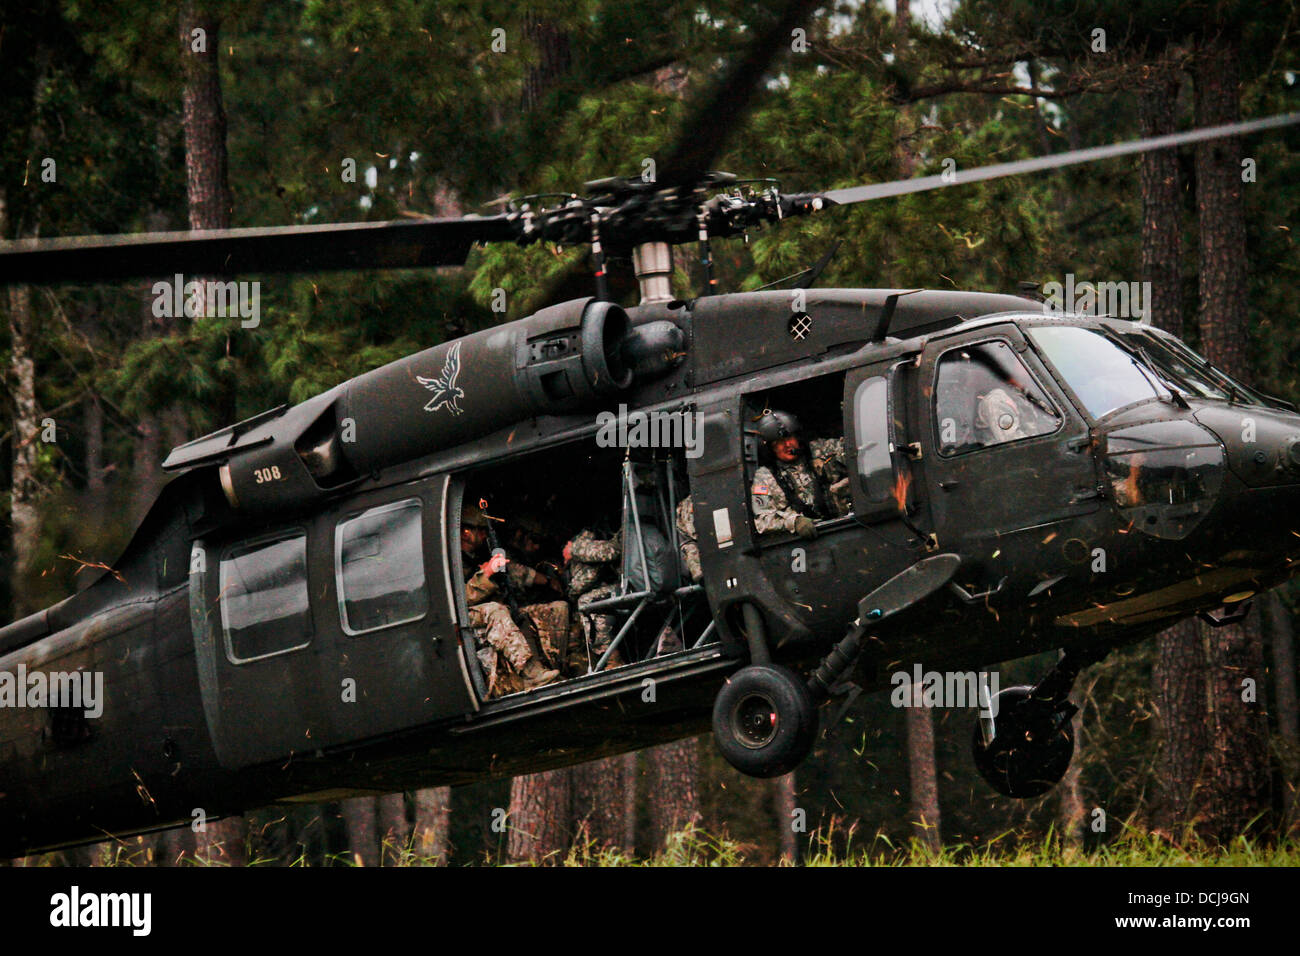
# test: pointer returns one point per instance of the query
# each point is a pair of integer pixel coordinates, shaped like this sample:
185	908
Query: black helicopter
290	622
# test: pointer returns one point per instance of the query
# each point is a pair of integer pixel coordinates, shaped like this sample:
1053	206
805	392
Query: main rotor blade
394	244
708	124
920	184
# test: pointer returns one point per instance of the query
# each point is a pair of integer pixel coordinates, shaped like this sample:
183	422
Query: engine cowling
559	360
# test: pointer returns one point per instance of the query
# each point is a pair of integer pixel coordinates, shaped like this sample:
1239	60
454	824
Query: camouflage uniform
687	540
773	512
591	559
828	462
499	637
551	620
498	633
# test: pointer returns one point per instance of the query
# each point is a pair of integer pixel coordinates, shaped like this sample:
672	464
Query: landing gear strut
764	718
1023	742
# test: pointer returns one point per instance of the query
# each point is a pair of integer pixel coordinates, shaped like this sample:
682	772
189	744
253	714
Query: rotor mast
653	264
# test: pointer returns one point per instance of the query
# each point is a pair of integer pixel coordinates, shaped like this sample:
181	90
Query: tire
764	720
1031	749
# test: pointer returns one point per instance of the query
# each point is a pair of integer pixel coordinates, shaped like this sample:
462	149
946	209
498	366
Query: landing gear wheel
1031	748
764	720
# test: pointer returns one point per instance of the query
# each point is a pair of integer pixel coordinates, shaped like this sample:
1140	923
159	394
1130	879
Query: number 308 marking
263	475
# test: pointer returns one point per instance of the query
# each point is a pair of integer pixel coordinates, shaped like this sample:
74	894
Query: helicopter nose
1259	508
1262	445
1231	478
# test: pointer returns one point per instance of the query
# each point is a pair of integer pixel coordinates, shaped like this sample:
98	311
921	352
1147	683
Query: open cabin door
329	630
881	444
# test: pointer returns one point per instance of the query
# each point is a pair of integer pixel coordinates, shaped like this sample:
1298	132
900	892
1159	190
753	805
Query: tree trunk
1281	634
21	380
1179	679
672	789
631	775
26	435
359	820
1237	771
223	842
433	824
393	829
600	803
1220	212
539	816
921	772
177	847
1074	808
1237	777
204	118
551	45
1162	235
210	204
785	802
96	488
1282	638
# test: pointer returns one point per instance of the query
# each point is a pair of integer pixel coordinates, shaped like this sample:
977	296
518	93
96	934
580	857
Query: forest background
440	108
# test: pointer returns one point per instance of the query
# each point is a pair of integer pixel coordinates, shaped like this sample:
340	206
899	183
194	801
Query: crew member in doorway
501	641
798	485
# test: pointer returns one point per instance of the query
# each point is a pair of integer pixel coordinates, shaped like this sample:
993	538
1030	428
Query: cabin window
379	564
264	603
985	396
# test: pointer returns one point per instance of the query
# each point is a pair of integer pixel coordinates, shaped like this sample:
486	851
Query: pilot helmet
773	426
471	516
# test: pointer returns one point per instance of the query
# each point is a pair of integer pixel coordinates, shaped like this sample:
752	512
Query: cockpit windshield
1100	373
1178	370
1192	373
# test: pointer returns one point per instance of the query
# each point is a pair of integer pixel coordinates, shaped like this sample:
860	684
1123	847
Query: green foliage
415	95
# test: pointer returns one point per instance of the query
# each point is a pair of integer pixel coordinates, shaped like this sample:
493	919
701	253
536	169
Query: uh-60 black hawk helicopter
993	453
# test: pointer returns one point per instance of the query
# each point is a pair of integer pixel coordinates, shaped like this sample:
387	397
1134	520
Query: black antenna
813	274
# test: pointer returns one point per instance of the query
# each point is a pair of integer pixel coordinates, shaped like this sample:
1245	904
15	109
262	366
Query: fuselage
1096	480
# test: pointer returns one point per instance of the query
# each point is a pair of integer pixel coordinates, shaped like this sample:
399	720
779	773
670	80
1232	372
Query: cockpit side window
985	396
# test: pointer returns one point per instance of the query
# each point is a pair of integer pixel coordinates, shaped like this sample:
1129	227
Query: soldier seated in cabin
510	661
535	540
799	483
687	544
591	563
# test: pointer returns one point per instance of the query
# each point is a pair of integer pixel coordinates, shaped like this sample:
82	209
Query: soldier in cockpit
798	485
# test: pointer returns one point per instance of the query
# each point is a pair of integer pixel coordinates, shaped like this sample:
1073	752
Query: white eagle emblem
444	388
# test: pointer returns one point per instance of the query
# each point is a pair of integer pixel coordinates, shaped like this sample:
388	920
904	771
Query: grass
842	846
